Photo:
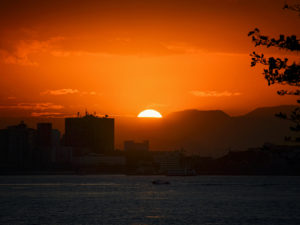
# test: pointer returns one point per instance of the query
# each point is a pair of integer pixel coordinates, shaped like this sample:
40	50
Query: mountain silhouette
211	133
269	112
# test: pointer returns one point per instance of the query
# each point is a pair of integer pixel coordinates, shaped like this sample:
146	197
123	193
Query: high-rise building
48	142
44	134
96	134
17	144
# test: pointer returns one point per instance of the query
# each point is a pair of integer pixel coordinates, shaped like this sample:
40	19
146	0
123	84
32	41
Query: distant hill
210	133
270	111
210	114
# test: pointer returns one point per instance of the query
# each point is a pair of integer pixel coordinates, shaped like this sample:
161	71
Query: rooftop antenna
86	112
286	6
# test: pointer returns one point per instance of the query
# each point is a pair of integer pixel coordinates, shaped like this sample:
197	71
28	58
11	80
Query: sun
150	113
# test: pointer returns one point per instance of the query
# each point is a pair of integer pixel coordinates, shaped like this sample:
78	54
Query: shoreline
49	173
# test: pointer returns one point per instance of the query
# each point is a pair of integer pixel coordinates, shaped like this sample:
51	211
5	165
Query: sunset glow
150	113
98	55
150	100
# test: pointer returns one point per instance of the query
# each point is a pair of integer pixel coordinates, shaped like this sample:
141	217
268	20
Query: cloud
88	93
11	98
93	93
19	51
66	91
33	106
182	48
63	91
47	114
214	93
23	47
24	51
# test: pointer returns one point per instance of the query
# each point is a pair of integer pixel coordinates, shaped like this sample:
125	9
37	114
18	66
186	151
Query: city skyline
87	146
195	131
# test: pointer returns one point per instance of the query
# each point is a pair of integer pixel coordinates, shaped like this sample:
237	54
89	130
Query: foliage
280	71
284	42
295	7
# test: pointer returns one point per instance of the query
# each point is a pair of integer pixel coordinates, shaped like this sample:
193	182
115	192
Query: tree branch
283	42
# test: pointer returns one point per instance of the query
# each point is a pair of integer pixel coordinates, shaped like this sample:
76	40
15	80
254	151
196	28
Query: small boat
160	182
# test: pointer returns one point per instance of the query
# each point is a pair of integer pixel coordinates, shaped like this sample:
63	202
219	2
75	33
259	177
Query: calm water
207	200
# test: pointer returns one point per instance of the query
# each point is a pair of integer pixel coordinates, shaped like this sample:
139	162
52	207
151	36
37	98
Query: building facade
91	133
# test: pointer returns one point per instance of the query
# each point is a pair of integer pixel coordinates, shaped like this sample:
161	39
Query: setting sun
150	113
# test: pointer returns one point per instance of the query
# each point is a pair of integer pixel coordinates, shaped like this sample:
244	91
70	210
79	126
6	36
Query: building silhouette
136	146
17	144
48	141
169	162
44	134
89	134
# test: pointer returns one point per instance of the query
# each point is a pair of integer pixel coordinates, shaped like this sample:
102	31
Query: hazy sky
119	57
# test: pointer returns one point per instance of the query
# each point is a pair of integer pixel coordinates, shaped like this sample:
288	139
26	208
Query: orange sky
120	57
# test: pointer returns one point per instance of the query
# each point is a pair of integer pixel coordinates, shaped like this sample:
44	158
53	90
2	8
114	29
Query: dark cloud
156	27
